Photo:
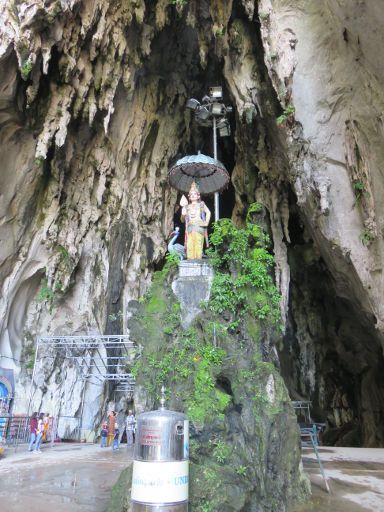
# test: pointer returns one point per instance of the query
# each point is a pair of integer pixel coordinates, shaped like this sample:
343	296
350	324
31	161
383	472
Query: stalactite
92	110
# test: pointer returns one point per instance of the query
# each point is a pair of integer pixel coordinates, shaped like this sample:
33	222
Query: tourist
103	435
116	434
111	427
130	424
39	433
32	430
46	426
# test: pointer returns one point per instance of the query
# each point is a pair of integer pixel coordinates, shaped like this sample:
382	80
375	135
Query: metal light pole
212	112
217	212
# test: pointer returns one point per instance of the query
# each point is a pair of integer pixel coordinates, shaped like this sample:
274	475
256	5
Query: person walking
46	427
32	431
111	427
103	435
130	424
115	445
39	433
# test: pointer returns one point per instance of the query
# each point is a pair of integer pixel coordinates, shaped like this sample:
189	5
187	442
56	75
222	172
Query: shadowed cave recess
330	352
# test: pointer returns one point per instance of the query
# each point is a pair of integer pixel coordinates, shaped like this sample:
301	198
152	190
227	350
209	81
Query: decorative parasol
209	174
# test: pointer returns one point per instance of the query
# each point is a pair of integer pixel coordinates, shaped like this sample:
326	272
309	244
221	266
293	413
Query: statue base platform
192	287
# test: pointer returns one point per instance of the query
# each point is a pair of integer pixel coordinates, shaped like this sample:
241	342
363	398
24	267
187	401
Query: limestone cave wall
92	98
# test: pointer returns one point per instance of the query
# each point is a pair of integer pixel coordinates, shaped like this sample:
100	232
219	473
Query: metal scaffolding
85	352
98	359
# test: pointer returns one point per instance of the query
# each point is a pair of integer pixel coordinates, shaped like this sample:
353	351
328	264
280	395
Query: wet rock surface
319	63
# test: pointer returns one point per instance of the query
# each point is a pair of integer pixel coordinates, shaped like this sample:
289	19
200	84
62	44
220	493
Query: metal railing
14	429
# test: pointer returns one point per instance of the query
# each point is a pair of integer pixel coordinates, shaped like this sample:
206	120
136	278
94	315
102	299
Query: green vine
241	470
26	69
47	294
114	317
367	237
243	282
30	361
359	190
189	357
38	162
221	450
286	116
179	4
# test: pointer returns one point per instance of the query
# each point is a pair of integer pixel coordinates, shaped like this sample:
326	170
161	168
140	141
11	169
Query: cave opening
175	64
224	384
331	353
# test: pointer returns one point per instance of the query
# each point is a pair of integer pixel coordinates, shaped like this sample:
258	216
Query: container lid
162	414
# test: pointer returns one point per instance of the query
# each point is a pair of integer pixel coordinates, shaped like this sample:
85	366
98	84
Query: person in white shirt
130	425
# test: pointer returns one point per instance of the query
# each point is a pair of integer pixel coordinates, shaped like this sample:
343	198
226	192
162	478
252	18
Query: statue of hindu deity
196	216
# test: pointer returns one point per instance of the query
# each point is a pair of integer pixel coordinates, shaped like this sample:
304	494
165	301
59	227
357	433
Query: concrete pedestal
192	287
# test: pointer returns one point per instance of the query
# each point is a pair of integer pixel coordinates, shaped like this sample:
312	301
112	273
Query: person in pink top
39	433
32	431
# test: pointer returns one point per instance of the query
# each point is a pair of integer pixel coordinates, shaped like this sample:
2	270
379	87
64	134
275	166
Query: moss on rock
222	372
121	492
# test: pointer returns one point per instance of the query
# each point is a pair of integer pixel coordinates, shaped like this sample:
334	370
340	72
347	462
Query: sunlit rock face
92	99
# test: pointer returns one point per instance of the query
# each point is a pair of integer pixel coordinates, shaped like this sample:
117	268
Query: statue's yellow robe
197	219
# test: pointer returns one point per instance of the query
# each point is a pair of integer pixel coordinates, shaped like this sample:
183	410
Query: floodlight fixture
212	112
217	109
192	104
216	92
202	113
220	123
225	131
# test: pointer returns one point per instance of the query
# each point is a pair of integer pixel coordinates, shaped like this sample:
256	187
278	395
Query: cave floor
79	477
355	476
65	476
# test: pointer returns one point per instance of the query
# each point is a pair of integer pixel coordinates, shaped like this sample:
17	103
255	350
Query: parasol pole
215	157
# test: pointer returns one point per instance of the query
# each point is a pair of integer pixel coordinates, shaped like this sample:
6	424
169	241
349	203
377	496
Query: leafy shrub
243	281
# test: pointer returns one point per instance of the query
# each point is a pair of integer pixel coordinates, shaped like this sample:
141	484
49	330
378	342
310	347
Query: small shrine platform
192	287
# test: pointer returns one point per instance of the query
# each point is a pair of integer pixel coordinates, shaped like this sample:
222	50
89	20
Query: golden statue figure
196	216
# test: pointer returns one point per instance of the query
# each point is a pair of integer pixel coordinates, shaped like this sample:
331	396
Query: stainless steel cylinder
160	466
162	436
